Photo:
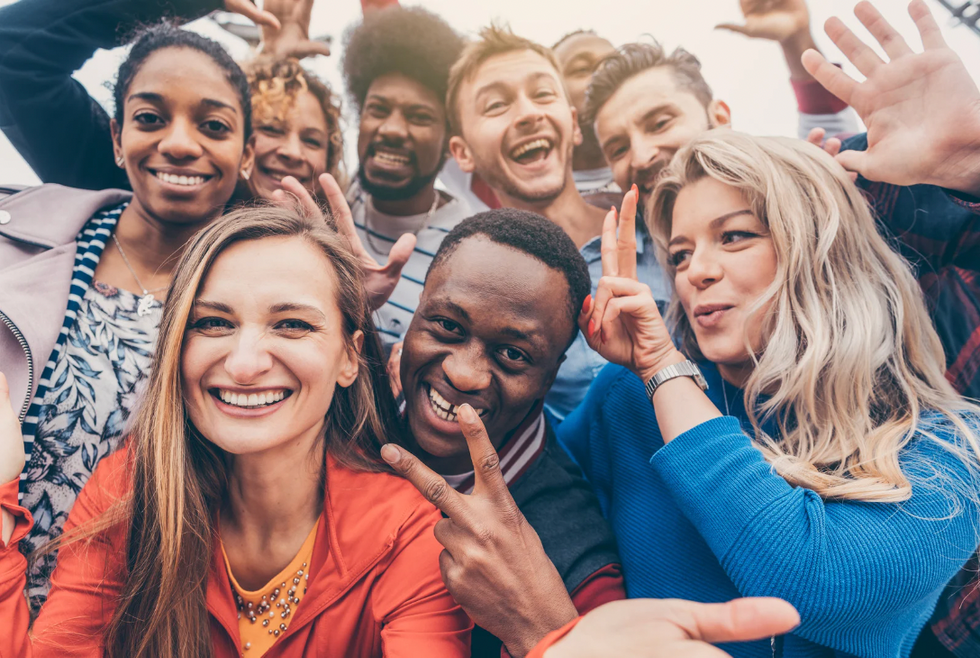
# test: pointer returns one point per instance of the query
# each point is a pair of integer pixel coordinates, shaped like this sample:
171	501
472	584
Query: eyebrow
287	307
717	221
158	98
388	101
492	86
214	306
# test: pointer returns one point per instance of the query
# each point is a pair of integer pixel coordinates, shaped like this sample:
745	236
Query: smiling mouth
534	151
251	400
183	181
444	409
391	159
279	175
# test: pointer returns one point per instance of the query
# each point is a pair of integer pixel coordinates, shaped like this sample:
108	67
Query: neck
417	204
736	374
568	210
153	245
275	491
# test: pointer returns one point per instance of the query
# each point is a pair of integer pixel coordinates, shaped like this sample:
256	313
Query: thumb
856	161
310	48
400	252
735	27
247	9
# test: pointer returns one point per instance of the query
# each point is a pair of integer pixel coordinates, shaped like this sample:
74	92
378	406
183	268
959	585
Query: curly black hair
537	237
407	40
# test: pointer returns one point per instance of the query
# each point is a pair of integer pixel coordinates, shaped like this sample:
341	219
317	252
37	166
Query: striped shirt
379	231
90	243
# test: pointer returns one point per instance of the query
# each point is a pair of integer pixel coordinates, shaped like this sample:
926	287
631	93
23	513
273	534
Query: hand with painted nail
623	323
379	280
922	110
664	628
494	564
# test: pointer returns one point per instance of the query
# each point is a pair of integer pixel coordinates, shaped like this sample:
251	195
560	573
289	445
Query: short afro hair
534	235
406	40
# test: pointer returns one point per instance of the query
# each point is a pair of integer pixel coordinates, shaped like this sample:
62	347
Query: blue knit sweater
705	518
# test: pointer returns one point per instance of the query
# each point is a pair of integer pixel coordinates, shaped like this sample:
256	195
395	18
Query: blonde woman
250	511
803	442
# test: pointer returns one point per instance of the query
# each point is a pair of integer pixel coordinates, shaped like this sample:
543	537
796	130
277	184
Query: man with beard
498	311
513	124
396	65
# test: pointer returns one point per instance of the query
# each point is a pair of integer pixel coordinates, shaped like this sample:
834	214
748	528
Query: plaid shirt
939	233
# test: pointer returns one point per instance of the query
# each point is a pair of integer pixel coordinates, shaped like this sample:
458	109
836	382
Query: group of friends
566	367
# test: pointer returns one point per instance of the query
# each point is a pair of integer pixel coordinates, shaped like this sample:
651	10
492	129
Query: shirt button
4	217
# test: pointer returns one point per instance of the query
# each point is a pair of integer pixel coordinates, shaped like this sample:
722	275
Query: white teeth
179	180
444	409
392	158
251	400
530	146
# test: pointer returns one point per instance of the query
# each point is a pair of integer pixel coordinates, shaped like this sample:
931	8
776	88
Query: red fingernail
591	328
587	304
634	190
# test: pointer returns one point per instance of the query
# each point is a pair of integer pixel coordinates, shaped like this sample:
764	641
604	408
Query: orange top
375	591
265	614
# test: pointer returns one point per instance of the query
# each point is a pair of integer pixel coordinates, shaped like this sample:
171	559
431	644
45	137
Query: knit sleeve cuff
718	479
22	518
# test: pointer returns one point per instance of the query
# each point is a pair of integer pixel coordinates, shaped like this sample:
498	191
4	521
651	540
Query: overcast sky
750	75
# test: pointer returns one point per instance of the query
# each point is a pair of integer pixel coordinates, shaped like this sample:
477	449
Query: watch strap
683	369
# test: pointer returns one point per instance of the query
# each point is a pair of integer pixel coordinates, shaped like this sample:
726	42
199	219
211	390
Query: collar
517	455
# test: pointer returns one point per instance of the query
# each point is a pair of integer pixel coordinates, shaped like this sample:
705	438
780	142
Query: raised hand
775	20
292	37
494	564
247	8
832	146
623	323
922	110
664	628
379	280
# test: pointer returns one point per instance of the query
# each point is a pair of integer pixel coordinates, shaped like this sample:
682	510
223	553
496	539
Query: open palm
775	20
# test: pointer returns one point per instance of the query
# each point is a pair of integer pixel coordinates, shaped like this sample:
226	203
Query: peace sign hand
379	280
922	110
494	564
623	323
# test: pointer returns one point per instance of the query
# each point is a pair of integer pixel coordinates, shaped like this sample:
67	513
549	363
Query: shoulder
942	455
614	386
50	215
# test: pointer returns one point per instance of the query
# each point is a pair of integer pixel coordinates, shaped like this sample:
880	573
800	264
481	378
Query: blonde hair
494	40
179	477
851	361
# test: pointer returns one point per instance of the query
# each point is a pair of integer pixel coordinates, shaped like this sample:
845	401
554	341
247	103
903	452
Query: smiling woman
252	476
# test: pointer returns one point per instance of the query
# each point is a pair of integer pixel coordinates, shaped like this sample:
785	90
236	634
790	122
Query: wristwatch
682	369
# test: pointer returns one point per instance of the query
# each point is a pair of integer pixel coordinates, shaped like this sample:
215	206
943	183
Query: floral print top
84	413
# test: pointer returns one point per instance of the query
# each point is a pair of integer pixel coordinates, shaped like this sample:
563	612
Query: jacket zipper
30	364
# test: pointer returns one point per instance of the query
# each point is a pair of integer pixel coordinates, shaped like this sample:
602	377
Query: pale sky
749	75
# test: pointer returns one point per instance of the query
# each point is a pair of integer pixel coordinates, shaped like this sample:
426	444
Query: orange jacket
375	587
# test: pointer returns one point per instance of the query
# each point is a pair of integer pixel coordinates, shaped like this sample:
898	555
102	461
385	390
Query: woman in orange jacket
249	513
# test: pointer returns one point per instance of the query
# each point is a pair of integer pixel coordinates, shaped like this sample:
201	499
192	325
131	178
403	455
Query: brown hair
275	85
179	477
494	40
635	58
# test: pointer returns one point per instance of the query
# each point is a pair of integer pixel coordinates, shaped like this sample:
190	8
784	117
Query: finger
859	53
400	252
295	188
829	76
626	236
932	38
608	245
854	161
832	146
734	27
341	214
429	483
310	48
638	305
891	41
743	620
447	533
253	13
486	463
816	136
603	295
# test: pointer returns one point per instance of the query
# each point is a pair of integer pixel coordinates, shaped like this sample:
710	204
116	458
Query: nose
467	370
179	142
290	149
248	359
394	128
643	153
703	269
529	113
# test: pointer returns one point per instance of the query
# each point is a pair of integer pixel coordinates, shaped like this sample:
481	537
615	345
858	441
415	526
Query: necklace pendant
145	304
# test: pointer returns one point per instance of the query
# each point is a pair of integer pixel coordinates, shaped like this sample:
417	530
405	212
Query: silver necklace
146	301
425	222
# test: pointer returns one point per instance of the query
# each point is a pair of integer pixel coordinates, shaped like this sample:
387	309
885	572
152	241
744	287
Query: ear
461	151
248	156
576	129
348	374
719	114
116	132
